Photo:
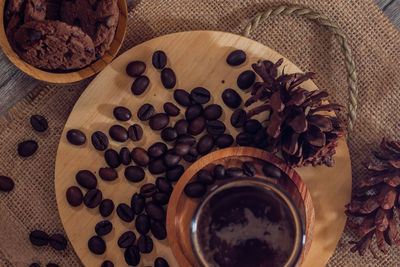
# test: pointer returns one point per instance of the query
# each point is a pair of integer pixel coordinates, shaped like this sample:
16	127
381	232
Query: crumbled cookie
35	10
13	24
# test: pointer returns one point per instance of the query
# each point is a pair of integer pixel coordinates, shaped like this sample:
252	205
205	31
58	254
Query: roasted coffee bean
108	174
112	158
246	79
157	166
135	68
76	137
122	113
251	126
205	177
158	229
163	185
174	173
205	144
118	133
145	112
182	97
157	150
92	198
159	121
169	134
215	127
160	198
132	255
181	127
148	190
134	173
34	265
200	95
103	228
249	169
197	125
223	140
97	245
171	109
127	239
107	263
125	212
145	244
125	156
106	207
58	242
195	189
142	224
212	112
171	159
236	57
39	238
244	139
74	196
181	149
160	262
231	98
186	139
50	264
159	59
140	156
135	132
99	140
39	123
234	172
168	78
238	118
140	85
260	136
193	112
271	170
192	155
137	203
155	211
6	184
27	148
219	172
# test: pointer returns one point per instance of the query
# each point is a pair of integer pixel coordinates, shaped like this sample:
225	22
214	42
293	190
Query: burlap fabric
376	48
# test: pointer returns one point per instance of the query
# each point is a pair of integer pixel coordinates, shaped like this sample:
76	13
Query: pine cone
374	203
296	125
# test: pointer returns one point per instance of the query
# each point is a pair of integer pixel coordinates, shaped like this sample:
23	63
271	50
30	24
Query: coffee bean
6	184
271	170
27	148
118	133
215	127
238	118
249	169
122	113
99	140
200	95
181	149
260	136
97	245
58	242
244	139
219	172
195	189
125	212
107	263
205	177
134	174
76	137
157	166
205	144
181	127
86	179
125	156
155	211
212	112
168	78
160	198
193	112
191	156
92	198
135	132
197	125
159	121
145	244
103	228
169	134
231	98
137	203
234	172
236	57
132	255
171	160
142	224
34	265
157	149
171	109
182	97
145	112
127	239
174	173
186	139
39	238
140	156
50	264
74	196
246	79
140	85
112	158
163	185
147	190
135	68
39	123
160	262
251	126
223	140
159	59
108	174
106	207
158	229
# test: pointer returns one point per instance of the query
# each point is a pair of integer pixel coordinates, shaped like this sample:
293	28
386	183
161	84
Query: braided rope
320	19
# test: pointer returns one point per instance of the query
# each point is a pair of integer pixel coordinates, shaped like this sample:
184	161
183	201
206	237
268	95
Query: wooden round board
198	59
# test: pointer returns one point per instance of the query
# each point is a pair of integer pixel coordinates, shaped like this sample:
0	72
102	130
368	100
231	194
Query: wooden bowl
67	77
181	208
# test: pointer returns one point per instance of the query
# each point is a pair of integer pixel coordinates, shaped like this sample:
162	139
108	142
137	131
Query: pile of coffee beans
40	238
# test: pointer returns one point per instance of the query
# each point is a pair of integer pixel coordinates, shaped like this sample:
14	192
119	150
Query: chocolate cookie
13	24
54	45
35	10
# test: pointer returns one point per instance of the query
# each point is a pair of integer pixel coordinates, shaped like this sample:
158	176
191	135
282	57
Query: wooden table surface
15	85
